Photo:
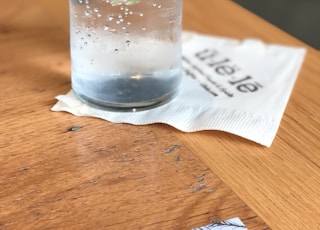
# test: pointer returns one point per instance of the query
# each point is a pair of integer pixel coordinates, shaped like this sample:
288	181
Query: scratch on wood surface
123	157
198	188
171	149
214	220
74	128
24	169
140	177
178	159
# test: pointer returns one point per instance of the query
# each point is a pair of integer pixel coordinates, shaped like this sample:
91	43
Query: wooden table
59	171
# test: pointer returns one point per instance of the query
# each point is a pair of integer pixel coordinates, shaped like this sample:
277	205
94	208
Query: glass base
126	107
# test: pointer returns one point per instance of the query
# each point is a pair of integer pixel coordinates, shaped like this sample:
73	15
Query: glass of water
126	54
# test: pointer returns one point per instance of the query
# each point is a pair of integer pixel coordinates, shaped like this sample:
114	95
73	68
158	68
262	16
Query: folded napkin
237	86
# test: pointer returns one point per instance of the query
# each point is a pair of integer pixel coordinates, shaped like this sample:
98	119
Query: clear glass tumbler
126	54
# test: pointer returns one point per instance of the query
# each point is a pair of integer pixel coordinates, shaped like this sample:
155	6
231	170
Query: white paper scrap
231	224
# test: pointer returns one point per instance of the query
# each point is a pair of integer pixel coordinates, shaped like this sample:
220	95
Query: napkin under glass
237	86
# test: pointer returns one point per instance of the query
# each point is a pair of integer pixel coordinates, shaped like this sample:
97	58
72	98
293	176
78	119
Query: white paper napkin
240	87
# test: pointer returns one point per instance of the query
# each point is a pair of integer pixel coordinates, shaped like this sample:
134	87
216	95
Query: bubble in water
171	21
156	5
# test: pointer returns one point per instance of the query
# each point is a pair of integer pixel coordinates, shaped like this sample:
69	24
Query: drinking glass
125	54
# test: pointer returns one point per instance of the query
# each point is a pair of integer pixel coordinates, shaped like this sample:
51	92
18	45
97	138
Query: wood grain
59	171
280	183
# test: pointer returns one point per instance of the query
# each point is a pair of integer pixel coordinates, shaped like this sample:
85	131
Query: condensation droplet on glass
141	14
143	28
128	43
85	44
96	10
110	18
106	27
116	50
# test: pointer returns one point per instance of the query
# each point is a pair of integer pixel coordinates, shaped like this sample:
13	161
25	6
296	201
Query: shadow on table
298	18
